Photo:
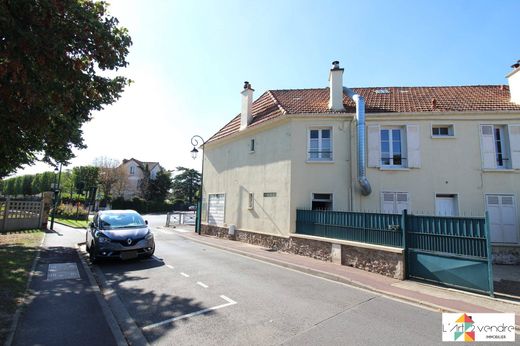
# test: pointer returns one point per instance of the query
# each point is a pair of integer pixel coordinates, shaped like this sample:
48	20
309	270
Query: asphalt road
192	294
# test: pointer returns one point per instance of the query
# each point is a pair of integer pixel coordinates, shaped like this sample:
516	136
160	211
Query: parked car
120	234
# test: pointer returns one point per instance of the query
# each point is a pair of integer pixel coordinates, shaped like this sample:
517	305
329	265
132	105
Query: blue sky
190	59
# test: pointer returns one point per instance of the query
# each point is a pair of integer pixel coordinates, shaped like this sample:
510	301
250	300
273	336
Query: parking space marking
202	284
200	312
185	275
169	266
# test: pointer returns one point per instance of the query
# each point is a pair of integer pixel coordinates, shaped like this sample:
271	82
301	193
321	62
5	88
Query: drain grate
62	271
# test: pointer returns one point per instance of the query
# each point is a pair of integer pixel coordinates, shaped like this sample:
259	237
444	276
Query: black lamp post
196	141
56	189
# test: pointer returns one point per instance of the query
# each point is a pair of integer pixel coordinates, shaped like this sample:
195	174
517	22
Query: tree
159	188
144	182
52	56
27	185
186	185
109	174
85	177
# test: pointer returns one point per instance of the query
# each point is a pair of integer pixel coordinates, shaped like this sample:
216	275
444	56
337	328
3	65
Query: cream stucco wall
230	168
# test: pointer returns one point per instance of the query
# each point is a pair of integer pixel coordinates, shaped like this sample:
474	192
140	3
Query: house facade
134	173
448	151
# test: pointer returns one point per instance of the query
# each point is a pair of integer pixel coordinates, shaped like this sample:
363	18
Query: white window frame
132	170
320	143
331	200
390	137
455	197
208	205
252	145
450	127
498	194
382	201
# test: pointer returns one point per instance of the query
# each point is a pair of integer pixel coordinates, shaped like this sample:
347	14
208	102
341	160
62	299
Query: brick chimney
514	83
246	116
336	88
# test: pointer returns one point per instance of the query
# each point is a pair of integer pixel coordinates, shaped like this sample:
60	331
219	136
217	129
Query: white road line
202	284
185	275
200	312
169	266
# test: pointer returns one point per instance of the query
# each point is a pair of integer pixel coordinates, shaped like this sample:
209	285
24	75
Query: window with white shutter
514	145
500	146
394	202
502	218
373	146
413	143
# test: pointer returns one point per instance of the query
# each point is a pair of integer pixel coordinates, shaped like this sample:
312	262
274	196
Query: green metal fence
372	228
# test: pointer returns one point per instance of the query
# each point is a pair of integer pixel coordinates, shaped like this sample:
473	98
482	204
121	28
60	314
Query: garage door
216	208
502	218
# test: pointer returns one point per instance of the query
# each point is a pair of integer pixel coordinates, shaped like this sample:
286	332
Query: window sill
394	169
317	161
500	170
252	152
443	137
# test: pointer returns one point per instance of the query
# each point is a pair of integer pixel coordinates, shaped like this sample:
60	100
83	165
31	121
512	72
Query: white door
216	206
394	202
445	206
502	218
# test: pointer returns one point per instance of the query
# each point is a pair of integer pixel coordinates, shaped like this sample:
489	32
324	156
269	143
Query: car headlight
149	235
102	239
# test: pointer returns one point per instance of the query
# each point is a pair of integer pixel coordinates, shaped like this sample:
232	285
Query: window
320	145
446	205
132	170
252	145
500	146
392	147
394	202
442	131
322	201
251	201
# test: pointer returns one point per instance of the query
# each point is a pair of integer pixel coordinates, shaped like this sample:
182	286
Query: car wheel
92	254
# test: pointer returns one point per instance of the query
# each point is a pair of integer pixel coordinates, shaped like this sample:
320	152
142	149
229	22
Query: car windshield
120	220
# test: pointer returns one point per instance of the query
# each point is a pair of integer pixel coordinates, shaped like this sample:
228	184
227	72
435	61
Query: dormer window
132	170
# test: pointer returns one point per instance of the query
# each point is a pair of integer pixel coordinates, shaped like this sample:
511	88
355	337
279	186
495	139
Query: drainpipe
360	117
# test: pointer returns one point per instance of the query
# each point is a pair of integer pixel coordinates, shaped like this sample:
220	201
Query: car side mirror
146	222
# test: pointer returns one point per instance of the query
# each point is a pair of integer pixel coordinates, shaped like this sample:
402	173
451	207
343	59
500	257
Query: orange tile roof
275	103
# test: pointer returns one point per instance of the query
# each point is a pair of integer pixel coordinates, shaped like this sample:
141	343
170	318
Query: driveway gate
453	251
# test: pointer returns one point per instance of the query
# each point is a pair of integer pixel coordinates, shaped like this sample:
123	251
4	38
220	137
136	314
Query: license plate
128	255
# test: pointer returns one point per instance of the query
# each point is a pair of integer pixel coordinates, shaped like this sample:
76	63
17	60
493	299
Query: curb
18	312
111	320
329	276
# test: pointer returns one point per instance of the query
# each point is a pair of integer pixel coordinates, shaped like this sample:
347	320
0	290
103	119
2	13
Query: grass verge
72	223
17	252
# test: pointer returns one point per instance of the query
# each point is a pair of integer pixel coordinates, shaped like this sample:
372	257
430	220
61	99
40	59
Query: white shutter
413	146
487	144
374	145
401	202
514	145
388	202
216	207
508	218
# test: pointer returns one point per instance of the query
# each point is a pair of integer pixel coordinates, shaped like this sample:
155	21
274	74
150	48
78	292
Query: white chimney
336	88
513	79
246	116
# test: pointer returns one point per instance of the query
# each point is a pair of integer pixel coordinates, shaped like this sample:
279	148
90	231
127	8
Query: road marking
185	275
169	266
183	230
200	312
202	284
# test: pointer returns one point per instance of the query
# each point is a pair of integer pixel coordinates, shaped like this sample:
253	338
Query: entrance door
216	204
445	205
502	218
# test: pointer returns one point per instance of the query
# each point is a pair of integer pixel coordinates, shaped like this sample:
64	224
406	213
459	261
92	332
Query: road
193	294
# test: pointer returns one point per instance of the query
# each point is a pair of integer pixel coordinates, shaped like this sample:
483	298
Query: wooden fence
20	214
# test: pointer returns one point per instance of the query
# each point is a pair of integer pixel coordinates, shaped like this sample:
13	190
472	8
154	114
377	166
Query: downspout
364	184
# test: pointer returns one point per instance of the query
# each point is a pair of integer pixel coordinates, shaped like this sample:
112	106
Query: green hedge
142	206
71	212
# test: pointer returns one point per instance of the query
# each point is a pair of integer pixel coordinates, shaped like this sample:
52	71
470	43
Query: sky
189	60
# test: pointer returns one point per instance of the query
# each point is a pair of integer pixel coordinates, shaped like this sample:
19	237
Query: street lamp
56	188
196	141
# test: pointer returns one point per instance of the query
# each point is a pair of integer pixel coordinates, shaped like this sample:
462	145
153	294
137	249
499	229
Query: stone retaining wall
374	260
506	254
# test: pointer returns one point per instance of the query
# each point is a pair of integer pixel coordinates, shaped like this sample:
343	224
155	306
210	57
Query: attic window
382	91
404	91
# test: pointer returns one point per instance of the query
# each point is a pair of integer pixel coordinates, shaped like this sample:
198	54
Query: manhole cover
62	271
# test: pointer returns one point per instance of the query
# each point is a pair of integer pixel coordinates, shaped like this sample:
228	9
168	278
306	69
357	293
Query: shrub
142	206
72	212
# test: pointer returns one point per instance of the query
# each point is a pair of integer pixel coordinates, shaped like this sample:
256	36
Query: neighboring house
134	172
451	150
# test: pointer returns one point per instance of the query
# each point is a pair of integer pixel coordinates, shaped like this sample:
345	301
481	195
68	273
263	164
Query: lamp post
56	192
196	141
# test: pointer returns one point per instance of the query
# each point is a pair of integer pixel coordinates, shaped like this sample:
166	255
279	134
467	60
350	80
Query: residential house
446	150
135	171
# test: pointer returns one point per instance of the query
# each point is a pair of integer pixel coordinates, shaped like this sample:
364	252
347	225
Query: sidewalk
435	297
63	307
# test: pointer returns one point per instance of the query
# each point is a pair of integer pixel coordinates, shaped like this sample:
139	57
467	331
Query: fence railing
18	214
372	228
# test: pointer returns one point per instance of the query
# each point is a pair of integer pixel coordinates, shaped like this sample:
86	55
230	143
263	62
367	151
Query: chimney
336	88
246	116
514	83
